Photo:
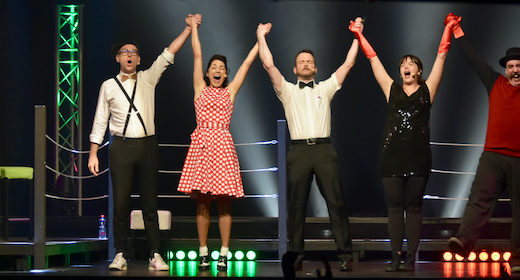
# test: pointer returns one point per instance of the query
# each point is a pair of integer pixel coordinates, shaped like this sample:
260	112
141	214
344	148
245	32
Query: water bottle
102	228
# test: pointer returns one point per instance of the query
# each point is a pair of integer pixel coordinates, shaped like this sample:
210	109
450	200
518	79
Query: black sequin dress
406	144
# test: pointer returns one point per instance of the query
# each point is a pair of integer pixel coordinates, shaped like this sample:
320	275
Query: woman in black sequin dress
406	155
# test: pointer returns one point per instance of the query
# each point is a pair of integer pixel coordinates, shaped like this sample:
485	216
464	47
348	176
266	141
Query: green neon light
68	80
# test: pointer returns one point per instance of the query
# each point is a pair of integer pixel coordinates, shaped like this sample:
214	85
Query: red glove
454	21
365	46
444	46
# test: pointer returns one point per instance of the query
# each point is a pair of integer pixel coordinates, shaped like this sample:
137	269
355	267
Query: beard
307	75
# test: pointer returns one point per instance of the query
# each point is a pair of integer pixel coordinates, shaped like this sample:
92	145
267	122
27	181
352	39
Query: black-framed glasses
127	51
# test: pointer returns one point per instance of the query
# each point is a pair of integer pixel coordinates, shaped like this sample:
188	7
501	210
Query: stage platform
75	258
271	270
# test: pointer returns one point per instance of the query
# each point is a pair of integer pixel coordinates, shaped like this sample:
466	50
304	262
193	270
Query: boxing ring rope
435	197
281	142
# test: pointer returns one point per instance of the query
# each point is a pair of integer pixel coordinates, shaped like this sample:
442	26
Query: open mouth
407	74
516	75
217	78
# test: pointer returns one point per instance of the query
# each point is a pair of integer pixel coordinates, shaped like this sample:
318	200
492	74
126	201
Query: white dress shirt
307	110
112	106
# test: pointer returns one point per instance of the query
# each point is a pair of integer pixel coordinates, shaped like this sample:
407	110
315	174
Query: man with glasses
127	104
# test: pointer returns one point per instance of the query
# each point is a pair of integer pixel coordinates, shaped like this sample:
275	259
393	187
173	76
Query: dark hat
511	53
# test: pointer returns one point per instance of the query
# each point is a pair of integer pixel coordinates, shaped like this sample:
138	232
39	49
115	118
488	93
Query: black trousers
495	173
405	195
304	161
134	159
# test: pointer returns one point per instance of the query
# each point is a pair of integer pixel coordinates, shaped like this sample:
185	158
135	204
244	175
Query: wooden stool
137	222
8	173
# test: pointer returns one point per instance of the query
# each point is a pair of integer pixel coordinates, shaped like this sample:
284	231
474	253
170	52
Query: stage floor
271	270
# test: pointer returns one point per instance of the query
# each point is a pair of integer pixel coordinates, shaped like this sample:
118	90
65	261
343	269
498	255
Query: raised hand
453	22
356	25
194	20
198	19
452	19
263	29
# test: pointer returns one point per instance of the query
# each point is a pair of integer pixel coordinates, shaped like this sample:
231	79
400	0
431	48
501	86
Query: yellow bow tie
126	77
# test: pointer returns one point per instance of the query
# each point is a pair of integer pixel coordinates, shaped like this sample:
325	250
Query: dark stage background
394	28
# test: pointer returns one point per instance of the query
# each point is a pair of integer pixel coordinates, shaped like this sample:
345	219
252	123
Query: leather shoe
298	262
298	266
345	265
457	247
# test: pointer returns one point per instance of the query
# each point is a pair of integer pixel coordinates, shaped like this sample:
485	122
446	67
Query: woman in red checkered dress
211	170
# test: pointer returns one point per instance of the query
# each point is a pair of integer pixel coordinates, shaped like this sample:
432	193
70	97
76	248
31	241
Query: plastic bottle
102	228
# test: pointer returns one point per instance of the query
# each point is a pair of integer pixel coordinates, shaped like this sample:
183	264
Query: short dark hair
221	58
415	60
117	46
305	51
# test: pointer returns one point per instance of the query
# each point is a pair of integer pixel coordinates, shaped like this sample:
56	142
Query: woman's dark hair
116	47
224	60
417	62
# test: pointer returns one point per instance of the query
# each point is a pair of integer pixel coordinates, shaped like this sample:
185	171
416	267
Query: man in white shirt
307	110
127	104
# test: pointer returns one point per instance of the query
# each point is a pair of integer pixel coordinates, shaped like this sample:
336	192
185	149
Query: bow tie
126	77
304	84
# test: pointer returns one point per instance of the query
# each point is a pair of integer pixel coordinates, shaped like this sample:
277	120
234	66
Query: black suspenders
132	106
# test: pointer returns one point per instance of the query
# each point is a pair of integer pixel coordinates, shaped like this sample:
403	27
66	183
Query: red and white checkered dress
211	164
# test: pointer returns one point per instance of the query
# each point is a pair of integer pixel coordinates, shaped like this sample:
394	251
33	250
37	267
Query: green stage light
170	255
180	255
251	255
192	255
239	255
192	268
215	255
229	255
239	268
180	268
251	269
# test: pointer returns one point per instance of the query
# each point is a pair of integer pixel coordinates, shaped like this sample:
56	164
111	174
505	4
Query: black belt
311	141
132	138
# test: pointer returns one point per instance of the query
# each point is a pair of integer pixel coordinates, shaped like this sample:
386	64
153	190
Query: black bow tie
304	84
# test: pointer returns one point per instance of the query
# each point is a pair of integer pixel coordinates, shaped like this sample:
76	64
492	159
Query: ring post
282	187
39	186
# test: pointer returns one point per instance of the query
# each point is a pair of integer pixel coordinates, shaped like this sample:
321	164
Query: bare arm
434	79
198	74
237	82
93	161
350	60
266	57
178	42
344	69
383	79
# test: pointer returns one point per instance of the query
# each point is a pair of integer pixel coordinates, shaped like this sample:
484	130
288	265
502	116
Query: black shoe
408	264
298	262
204	263
222	263
457	247
345	265
394	264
